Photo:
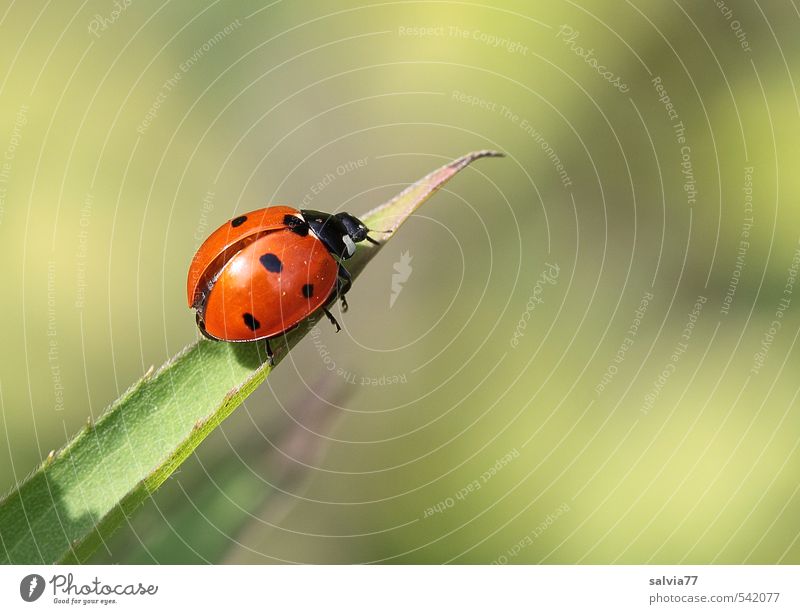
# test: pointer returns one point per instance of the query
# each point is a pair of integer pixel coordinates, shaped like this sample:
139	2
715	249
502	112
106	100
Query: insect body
262	273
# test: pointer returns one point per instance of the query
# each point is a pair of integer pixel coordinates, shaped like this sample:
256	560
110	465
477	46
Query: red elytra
226	240
261	273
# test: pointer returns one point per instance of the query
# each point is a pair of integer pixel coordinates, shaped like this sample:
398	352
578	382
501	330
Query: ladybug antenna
373	241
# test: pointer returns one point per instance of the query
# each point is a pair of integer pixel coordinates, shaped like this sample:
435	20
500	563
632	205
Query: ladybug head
355	228
339	232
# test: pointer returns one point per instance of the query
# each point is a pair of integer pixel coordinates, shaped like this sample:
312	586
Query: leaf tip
469	158
486	153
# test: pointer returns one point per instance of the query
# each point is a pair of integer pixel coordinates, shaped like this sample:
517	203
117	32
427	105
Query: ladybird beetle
260	274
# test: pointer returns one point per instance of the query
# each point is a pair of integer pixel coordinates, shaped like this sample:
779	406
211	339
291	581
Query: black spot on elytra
272	263
250	322
295	224
238	221
308	290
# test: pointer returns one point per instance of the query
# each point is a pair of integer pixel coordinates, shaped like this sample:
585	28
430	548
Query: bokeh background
584	352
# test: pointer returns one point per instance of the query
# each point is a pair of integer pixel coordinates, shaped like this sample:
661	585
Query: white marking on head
348	243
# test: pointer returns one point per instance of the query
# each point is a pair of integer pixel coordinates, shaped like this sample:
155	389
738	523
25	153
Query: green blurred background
130	130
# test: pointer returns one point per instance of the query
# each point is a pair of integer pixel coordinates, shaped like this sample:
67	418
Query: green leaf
210	511
83	492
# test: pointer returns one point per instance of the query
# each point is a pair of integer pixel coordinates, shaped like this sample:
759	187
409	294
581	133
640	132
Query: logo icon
403	272
31	587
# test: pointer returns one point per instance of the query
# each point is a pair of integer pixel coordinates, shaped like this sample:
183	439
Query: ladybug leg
332	319
343	283
270	354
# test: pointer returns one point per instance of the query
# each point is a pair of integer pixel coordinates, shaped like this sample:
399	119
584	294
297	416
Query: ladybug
260	274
